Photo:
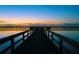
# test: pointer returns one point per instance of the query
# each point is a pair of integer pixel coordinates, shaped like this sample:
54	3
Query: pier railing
11	39
64	44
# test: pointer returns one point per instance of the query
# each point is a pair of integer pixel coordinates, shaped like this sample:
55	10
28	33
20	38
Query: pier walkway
39	40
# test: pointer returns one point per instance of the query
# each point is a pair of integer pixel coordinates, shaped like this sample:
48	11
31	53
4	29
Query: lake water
7	33
74	35
8	43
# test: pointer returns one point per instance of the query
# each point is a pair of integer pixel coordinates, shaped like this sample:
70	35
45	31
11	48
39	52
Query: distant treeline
25	27
14	29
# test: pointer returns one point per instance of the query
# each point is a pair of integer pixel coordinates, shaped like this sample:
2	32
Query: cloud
1	22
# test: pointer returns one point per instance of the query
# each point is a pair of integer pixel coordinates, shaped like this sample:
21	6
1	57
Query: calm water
74	35
7	33
8	43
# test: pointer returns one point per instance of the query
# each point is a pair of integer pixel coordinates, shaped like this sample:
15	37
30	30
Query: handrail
67	40
62	39
4	40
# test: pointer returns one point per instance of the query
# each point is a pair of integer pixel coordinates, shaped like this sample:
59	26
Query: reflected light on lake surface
4	32
74	35
8	33
7	44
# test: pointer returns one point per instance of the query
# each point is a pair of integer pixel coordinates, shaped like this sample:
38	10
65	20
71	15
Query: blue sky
66	13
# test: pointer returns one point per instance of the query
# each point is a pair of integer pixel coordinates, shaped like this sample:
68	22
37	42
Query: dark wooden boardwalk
37	43
40	40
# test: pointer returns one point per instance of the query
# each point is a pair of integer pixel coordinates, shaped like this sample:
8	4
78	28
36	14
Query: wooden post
23	37
12	45
61	45
52	37
48	28
31	31
48	33
28	33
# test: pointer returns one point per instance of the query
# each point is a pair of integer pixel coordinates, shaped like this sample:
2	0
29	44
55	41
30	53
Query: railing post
48	33
23	37
12	45
61	45
28	33
31	31
52	37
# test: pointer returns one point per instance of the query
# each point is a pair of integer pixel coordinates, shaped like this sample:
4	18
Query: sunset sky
46	14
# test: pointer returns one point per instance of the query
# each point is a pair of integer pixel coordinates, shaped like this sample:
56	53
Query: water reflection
7	33
74	35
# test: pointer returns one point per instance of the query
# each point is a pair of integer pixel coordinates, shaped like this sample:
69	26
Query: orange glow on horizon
28	20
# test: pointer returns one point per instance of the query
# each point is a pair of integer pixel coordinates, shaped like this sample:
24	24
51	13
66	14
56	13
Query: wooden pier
39	40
